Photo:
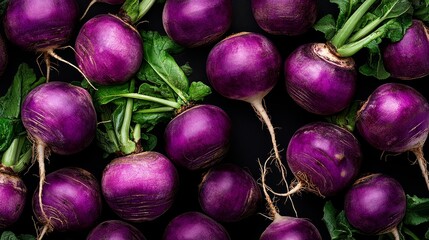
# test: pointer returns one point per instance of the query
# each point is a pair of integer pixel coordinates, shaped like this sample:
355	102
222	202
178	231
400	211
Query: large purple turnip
194	226
140	187
395	118
198	137
285	17
71	201
13	193
228	193
4	58
194	23
409	58
115	229
375	205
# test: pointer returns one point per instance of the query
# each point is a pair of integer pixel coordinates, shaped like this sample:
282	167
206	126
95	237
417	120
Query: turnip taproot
115	229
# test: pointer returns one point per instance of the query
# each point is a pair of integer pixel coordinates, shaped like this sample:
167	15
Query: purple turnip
324	158
13	193
285	17
228	193
71	201
198	137
92	2
59	118
409	58
194	226
375	205
3	55
140	187
246	66
41	26
395	118
194	23
115	229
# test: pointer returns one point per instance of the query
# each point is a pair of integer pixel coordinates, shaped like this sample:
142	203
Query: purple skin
395	118
140	187
283	228
13	193
3	55
375	204
324	158
108	57
115	229
194	23
71	200
409	58
54	111
319	81
40	25
198	137
228	193
194	226
285	17
243	66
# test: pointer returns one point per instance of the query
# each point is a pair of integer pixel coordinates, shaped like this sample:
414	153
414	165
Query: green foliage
8	235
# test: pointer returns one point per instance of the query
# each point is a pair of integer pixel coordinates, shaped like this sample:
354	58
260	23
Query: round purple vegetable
60	118
228	193
409	58
3	55
115	229
108	50
194	23
324	157
194	226
375	204
318	80
13	193
71	201
198	137
41	26
246	66
140	187
395	118
285	17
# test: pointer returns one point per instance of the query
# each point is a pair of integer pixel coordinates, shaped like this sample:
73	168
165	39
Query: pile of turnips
142	137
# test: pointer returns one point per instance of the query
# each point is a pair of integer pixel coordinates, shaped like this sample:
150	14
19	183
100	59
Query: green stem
137	133
410	233
23	161
134	10
151	99
13	158
347	29
126	123
10	156
144	7
365	31
156	110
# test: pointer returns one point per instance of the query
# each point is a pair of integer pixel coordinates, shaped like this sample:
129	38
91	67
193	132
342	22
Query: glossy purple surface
42	24
395	118
140	187
194	23
13	193
60	115
115	230
108	50
228	193
243	66
375	204
71	199
198	137
285	17
409	58
325	155
194	226
4	59
317	82
287	228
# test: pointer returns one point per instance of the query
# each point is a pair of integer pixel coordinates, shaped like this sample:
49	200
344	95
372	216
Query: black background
250	139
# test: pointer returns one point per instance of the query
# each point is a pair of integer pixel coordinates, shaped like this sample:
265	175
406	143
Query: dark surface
250	139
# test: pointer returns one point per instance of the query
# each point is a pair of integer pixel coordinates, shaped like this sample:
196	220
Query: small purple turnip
140	187
194	226
228	193
285	17
198	137
71	201
395	118
13	193
115	230
194	23
409	58
375	205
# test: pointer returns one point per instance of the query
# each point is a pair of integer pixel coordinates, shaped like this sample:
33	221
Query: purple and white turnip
13	193
115	229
